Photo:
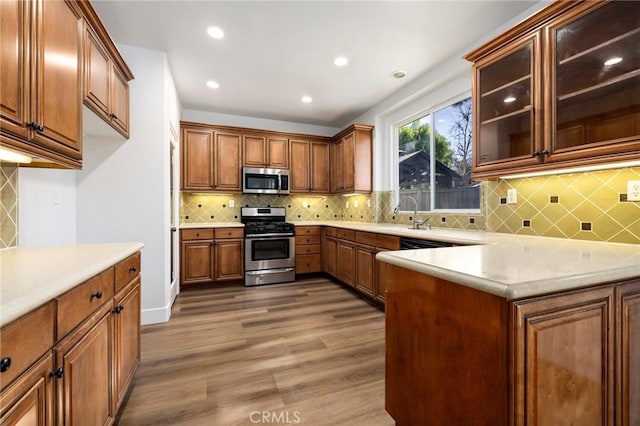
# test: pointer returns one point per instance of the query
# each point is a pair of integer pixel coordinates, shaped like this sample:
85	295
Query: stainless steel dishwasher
417	243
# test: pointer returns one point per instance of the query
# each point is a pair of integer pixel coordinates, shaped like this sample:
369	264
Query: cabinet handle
545	152
536	154
114	117
97	295
5	363
35	126
118	309
133	269
57	373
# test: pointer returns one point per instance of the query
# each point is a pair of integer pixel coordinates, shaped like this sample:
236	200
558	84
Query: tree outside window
443	181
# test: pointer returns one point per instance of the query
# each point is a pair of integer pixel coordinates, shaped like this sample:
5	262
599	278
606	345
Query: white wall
256	123
122	192
47	206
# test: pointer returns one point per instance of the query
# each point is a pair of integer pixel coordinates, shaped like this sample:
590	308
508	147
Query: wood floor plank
308	353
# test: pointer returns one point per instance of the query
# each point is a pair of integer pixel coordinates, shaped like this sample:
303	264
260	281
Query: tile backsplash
587	206
8	205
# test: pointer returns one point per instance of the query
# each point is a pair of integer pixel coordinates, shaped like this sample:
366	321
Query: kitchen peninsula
70	331
525	330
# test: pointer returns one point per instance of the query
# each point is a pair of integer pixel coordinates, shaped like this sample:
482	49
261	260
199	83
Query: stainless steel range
269	246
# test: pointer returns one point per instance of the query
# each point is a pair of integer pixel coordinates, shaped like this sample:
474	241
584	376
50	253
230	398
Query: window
443	181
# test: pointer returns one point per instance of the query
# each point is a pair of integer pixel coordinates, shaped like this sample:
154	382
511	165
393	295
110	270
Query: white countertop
31	276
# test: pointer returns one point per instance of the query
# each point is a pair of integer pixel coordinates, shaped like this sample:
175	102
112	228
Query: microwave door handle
279	182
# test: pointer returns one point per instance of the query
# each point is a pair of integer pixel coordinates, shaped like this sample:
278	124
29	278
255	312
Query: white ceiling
273	53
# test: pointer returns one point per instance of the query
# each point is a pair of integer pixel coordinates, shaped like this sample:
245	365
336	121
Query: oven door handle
269	271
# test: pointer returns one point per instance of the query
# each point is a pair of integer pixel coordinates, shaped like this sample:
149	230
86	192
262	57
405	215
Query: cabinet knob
114	117
35	126
536	154
5	363
197	235
97	295
133	269
118	309
57	373
545	152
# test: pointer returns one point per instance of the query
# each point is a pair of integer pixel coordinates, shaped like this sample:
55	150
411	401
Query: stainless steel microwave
265	181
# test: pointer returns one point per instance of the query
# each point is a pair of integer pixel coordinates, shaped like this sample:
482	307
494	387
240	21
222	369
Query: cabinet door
299	179
83	392
254	151
506	104
365	269
564	359
119	101
197	156
346	262
126	340
595	68
197	262
97	73
15	84
228	155
229	260
28	401
278	152
628	345
320	176
348	162
337	157
329	256
57	97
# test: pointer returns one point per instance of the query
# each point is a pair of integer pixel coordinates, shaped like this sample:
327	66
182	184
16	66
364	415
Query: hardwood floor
308	353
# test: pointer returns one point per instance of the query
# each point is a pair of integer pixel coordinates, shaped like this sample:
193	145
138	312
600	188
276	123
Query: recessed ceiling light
341	61
213	84
509	99
613	61
307	99
215	32
398	74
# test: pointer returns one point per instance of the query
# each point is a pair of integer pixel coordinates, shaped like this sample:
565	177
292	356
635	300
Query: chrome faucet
416	221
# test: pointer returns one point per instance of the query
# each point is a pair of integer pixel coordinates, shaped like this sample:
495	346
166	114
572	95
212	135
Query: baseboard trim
156	315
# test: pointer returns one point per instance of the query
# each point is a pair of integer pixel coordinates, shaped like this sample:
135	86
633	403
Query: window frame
395	130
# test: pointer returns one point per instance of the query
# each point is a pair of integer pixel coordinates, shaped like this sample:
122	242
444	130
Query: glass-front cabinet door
595	80
507	97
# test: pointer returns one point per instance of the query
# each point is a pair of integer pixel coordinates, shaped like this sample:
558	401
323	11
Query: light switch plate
633	190
355	204
512	196
232	203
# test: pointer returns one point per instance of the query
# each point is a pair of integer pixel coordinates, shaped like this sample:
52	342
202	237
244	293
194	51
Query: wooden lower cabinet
82	376
329	252
229	260
346	254
126	339
29	400
564	359
365	269
308	249
211	255
83	373
628	353
570	358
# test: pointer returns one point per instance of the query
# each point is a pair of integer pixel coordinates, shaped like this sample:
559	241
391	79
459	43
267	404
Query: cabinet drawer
307	263
346	234
312	239
25	340
388	242
127	270
76	304
307	230
229	233
366	238
197	234
330	232
307	249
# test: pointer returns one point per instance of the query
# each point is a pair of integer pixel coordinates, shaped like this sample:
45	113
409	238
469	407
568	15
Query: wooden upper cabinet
560	89
197	159
595	69
319	172
41	79
265	151
352	160
106	89
227	167
299	172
